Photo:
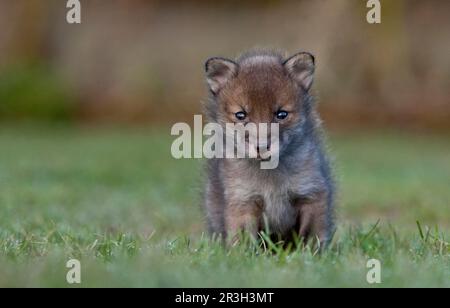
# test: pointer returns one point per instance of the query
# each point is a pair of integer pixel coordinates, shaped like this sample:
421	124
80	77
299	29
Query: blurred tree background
142	61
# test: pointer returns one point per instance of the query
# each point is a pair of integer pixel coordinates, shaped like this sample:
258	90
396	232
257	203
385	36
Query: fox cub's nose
262	150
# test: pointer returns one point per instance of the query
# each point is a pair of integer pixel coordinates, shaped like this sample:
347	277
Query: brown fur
296	197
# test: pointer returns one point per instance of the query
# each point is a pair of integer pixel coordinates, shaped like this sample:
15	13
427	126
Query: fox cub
296	197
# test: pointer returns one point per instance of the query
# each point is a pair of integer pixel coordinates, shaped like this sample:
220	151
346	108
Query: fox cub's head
261	87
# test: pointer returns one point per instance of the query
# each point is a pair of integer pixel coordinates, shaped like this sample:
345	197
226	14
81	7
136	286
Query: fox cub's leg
315	220
241	218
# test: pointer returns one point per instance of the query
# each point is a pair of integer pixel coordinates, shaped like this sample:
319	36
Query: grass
116	200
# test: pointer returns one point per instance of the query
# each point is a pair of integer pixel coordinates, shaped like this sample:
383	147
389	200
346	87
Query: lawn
115	199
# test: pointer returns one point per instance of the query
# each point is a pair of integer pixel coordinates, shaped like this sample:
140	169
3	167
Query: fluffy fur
297	196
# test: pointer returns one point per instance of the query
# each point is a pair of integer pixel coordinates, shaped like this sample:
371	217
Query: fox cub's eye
281	115
241	115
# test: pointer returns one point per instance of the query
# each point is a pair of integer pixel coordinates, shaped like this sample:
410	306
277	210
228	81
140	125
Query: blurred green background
85	164
142	61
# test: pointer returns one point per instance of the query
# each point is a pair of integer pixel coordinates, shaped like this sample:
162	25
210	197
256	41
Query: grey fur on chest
274	190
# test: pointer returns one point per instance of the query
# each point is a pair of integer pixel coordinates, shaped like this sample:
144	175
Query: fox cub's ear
301	68
218	72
